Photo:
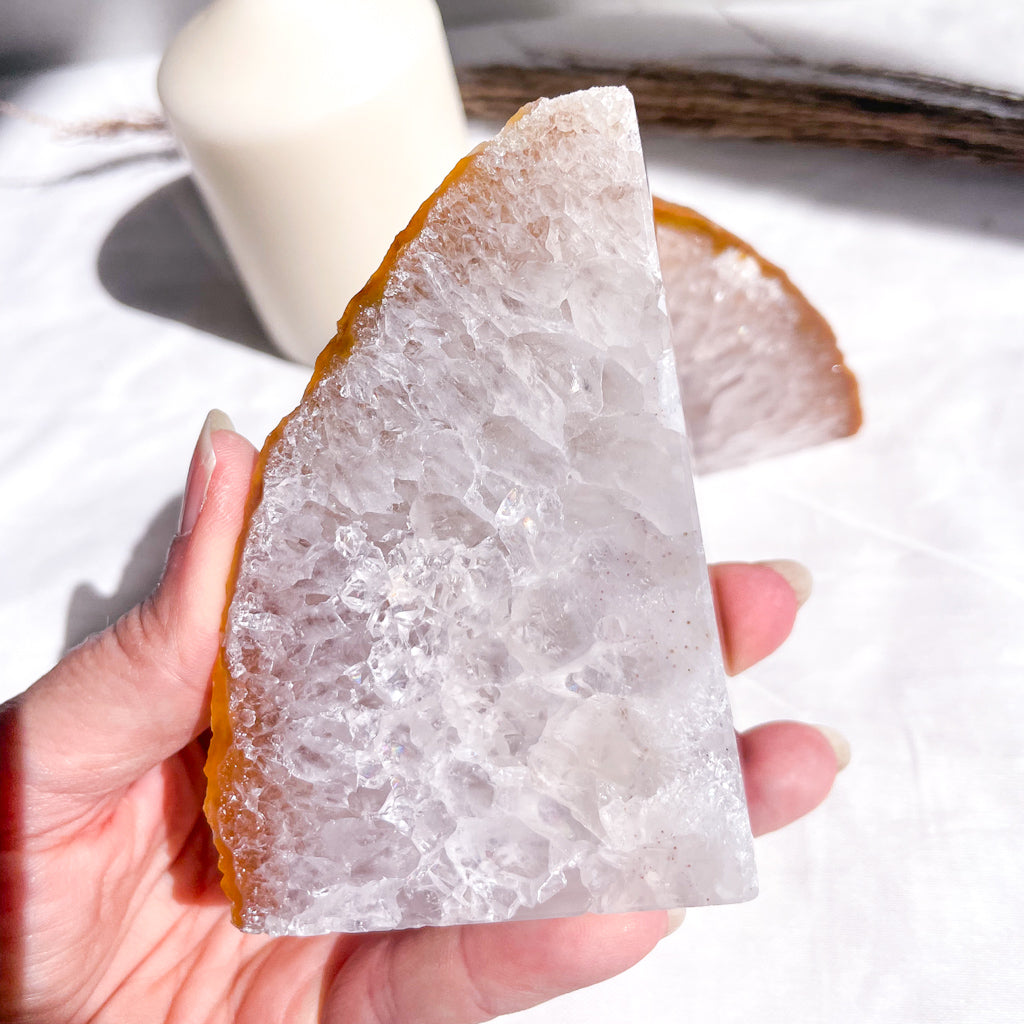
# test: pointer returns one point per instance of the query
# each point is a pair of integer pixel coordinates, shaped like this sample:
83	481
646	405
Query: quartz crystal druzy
759	368
470	668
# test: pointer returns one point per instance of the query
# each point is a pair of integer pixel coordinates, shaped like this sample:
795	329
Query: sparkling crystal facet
471	665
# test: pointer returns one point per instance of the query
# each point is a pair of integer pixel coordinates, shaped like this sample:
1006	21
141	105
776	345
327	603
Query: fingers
788	769
474	973
756	607
136	693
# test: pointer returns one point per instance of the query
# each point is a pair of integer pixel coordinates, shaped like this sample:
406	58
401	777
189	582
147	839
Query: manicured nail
200	470
675	920
839	744
798	576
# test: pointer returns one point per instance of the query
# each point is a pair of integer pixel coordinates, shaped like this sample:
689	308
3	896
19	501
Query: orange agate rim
336	351
811	323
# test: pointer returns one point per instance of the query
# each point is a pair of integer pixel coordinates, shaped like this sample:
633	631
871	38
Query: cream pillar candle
315	129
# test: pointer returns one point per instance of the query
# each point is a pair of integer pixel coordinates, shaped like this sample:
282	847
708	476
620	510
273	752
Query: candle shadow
90	610
164	256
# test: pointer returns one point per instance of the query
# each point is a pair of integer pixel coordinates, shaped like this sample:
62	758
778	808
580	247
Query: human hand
112	909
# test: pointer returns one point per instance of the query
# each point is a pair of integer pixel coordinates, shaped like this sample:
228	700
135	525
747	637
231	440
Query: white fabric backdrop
900	901
977	42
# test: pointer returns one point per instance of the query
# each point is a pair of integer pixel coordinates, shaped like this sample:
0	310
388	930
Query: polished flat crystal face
472	648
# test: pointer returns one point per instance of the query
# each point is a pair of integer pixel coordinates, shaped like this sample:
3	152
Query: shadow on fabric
164	257
960	195
90	611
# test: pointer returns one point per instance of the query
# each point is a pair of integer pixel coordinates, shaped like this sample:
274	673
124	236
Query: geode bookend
470	669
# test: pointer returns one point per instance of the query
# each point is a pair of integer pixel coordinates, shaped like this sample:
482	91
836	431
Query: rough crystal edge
339	349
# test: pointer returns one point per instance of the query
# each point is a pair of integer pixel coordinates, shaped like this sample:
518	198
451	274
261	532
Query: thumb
135	694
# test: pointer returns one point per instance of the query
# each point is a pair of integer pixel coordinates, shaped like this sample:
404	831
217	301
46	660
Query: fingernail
797	575
675	920
839	743
200	470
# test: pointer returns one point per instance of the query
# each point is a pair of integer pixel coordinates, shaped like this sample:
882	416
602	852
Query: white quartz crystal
475	673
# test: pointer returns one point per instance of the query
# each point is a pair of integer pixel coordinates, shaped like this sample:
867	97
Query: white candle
315	129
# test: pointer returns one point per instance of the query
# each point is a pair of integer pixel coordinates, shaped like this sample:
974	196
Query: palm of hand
148	924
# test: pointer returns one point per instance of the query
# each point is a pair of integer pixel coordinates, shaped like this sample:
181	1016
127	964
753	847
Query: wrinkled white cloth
897	902
975	43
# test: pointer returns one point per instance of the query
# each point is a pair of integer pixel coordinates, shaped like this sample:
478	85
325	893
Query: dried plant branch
99	128
944	119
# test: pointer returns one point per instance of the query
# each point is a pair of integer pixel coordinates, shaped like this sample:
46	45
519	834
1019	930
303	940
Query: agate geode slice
470	668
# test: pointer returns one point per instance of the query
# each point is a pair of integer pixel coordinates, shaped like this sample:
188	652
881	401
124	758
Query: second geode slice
470	670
